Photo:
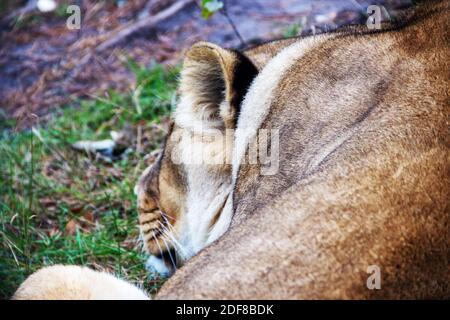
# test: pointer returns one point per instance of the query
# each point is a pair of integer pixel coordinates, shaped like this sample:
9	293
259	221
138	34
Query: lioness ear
213	84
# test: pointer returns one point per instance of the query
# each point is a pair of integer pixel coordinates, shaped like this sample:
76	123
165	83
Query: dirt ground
44	65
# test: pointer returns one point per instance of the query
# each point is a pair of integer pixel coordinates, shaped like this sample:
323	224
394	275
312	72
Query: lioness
356	187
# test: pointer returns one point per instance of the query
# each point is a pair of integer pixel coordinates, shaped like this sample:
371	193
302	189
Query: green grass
58	205
292	30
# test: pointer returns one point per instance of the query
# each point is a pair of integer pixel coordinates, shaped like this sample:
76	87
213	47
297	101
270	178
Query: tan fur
76	283
364	175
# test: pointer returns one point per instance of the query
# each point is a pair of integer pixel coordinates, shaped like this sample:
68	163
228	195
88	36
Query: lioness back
363	181
354	202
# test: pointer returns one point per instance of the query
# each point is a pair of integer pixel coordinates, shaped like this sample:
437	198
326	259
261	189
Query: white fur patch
155	264
224	221
208	185
206	196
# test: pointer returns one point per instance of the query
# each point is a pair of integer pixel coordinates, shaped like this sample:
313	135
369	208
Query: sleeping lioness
352	185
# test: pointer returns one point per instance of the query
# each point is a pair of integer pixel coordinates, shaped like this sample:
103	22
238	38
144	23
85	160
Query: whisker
167	224
181	249
178	247
169	227
157	243
165	215
170	254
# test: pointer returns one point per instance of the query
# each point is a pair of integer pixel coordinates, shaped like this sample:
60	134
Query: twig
224	11
147	9
118	35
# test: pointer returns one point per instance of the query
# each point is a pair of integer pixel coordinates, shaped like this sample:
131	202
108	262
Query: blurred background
83	111
45	64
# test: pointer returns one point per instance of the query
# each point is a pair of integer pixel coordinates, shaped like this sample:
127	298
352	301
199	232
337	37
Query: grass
58	205
292	30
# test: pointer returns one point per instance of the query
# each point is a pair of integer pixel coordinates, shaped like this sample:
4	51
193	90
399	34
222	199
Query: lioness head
181	196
